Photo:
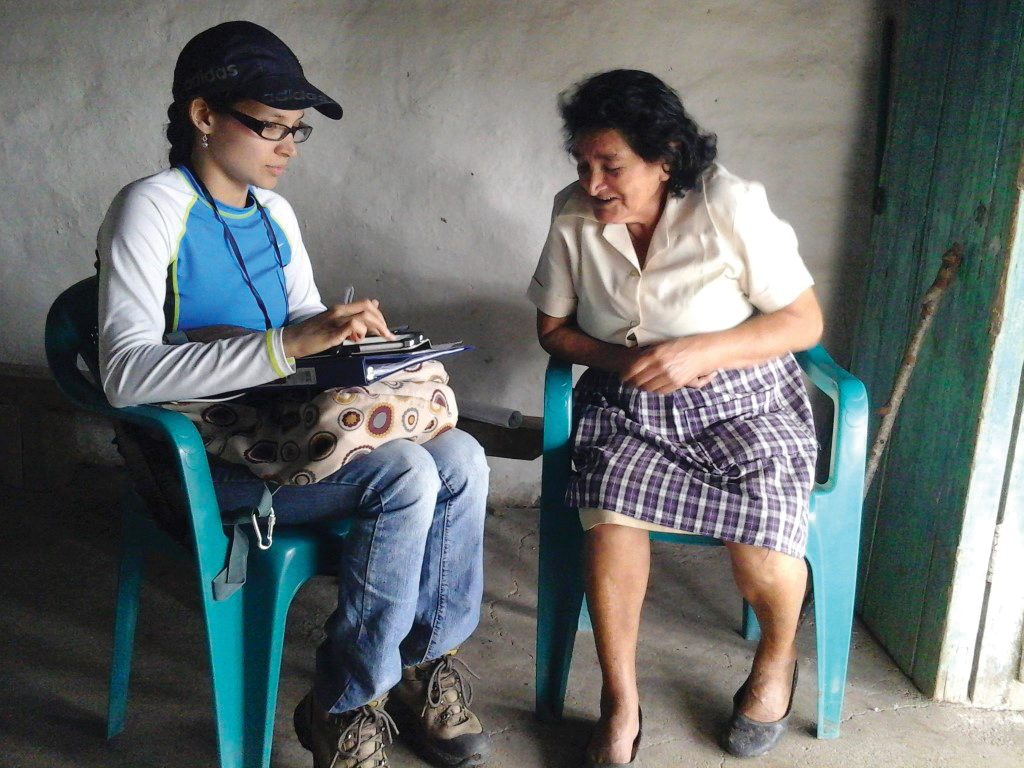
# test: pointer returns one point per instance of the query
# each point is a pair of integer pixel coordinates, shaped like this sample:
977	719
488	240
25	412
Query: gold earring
206	141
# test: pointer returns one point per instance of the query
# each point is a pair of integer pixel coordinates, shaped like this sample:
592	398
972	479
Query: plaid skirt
733	460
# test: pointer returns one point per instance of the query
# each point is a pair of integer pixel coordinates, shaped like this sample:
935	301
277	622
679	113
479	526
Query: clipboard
328	369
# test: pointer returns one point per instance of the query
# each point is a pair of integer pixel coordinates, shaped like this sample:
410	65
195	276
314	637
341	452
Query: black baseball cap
244	59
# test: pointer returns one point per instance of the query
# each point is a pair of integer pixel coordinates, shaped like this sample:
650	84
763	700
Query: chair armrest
557	404
192	467
557	428
191	464
849	423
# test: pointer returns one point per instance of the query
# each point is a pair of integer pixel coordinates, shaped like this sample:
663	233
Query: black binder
339	368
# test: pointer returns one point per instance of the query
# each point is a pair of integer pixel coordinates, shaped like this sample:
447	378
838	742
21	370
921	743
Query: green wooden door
949	174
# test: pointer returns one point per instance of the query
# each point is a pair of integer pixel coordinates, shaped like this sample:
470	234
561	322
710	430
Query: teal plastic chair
832	547
245	633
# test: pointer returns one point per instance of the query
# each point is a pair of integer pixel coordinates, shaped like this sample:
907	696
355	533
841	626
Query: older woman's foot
746	736
768	690
616	737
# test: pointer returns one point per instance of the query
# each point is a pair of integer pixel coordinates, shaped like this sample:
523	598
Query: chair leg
274	578
245	635
751	630
584	624
226	646
126	613
559	598
245	639
834	589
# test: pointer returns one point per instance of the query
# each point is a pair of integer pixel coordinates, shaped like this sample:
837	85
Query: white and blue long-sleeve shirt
166	265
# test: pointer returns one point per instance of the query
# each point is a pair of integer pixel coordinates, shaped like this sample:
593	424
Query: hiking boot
353	739
432	704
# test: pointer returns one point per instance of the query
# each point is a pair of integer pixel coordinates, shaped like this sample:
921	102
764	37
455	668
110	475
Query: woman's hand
671	365
334	325
560	337
692	360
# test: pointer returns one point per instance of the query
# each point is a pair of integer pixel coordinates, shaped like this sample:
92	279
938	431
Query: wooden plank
524	442
34	454
11	470
893	561
957	65
982	133
49	447
996	680
30	384
942	415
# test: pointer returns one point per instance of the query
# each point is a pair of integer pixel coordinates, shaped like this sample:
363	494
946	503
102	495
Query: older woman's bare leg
774	584
617	562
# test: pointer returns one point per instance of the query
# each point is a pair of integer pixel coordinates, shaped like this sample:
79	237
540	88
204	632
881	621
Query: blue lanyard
233	244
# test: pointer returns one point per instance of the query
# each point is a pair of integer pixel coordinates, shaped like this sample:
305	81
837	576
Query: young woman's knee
410	466
460	460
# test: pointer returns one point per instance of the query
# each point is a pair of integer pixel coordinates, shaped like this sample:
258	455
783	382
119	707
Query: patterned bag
297	439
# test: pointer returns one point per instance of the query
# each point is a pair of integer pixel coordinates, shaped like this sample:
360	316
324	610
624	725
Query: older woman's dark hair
648	114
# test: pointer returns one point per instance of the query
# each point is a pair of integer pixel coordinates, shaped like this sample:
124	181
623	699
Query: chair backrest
72	336
848	447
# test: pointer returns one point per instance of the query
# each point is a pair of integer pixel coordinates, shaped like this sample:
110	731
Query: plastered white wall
434	191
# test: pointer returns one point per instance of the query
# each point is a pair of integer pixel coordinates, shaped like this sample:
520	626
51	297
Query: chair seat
832	549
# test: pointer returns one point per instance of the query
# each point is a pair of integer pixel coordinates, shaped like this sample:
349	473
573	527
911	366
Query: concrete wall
434	191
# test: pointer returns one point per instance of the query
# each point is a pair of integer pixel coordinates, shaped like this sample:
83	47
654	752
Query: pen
350	293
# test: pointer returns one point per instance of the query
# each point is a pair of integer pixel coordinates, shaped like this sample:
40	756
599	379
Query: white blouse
716	255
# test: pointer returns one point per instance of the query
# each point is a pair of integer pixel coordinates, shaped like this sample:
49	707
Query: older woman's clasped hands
683	293
665	367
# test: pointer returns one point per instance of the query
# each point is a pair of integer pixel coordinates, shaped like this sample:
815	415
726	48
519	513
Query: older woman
673	281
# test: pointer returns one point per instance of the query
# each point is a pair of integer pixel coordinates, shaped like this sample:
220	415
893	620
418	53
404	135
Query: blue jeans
410	577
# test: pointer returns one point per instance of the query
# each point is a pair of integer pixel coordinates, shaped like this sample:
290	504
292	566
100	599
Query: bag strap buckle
271	520
233	576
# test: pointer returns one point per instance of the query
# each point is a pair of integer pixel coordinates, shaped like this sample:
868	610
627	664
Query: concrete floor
57	570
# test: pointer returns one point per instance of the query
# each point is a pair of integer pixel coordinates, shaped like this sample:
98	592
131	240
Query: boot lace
445	677
368	724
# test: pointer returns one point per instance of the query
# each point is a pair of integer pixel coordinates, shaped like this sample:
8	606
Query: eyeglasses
272	131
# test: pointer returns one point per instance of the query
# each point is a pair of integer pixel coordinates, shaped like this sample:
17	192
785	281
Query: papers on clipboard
341	367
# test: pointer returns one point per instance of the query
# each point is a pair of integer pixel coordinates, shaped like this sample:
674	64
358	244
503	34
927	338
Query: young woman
206	287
